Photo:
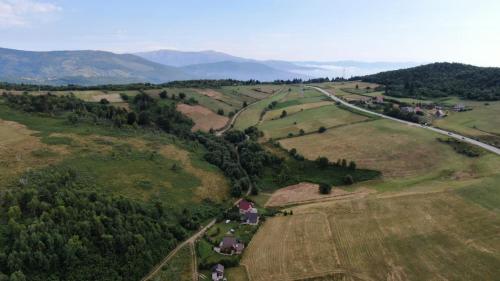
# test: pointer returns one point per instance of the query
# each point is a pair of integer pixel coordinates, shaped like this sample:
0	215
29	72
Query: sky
323	30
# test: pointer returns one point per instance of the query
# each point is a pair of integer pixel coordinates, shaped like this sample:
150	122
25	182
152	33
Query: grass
236	274
179	268
409	158
206	254
481	122
251	116
415	237
128	162
309	120
308	171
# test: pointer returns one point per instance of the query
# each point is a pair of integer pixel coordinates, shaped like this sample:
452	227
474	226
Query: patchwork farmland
415	237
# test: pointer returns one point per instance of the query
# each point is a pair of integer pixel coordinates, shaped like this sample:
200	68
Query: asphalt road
440	131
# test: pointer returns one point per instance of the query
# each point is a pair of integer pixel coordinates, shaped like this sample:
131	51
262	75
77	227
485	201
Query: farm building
218	272
230	246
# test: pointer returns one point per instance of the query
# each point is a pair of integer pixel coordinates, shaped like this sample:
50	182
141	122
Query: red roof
244	205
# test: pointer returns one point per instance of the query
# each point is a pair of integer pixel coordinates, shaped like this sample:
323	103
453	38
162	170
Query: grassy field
309	120
409	158
482	121
436	236
251	116
133	163
179	268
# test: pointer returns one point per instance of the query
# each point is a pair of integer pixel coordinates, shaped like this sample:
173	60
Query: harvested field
437	236
210	93
306	192
204	118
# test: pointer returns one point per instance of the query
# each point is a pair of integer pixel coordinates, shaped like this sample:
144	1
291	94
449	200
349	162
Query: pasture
253	113
408	157
179	268
132	163
438	236
309	120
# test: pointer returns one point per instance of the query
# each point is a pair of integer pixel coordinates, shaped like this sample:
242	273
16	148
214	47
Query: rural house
245	206
230	246
440	113
251	217
407	109
459	107
218	272
378	99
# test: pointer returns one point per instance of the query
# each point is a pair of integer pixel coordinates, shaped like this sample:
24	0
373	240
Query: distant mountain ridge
82	67
239	71
87	67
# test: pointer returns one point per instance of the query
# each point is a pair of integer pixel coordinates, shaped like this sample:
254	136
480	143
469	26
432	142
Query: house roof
244	205
228	242
239	246
252	217
218	267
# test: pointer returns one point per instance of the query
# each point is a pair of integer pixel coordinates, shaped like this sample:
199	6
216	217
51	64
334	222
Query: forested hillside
441	80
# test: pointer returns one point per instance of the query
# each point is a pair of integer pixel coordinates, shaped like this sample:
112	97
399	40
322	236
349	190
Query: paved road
440	131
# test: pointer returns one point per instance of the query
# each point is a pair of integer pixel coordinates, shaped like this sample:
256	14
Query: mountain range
88	67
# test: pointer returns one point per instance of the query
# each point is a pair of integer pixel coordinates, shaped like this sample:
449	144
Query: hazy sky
412	30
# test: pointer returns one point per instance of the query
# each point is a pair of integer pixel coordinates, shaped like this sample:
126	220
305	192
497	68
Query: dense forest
58	226
441	80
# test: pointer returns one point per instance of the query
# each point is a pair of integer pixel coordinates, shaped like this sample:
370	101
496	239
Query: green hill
441	80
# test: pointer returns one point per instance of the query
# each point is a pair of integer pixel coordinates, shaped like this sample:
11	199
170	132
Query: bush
321	129
220	111
163	94
104	101
325	188
348	180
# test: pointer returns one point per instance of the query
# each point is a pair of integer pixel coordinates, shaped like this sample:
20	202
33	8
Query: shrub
325	188
163	94
321	129
348	180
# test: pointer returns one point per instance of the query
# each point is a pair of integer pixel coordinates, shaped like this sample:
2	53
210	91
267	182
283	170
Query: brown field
435	236
204	118
20	150
210	93
307	192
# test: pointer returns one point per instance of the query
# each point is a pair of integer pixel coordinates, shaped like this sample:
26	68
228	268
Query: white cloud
24	12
